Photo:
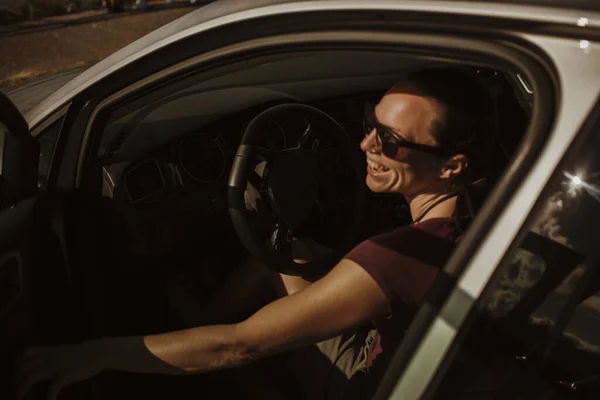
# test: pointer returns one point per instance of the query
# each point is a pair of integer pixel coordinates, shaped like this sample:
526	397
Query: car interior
150	234
166	158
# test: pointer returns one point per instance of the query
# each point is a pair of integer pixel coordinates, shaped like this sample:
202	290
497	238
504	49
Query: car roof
226	11
590	5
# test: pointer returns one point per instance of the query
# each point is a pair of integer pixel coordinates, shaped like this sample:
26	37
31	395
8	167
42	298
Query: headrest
470	199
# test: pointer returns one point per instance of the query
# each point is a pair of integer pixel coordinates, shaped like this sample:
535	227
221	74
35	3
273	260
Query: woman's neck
423	206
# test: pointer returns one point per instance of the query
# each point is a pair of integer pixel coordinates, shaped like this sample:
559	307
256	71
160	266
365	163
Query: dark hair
469	126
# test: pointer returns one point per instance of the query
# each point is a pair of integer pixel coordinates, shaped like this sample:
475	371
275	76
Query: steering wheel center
293	185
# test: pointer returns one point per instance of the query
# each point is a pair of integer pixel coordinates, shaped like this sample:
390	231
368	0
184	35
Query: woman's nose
370	143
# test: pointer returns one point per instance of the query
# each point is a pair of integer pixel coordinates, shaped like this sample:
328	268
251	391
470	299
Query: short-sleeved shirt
404	263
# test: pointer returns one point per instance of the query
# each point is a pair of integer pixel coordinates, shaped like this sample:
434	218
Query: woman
426	139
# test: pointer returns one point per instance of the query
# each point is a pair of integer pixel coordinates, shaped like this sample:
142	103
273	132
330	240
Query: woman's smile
375	168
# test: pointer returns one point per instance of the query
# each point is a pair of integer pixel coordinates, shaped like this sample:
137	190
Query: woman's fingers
29	355
36	364
57	384
30	378
61	365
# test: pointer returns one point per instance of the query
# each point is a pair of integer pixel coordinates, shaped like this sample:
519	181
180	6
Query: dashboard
170	197
176	192
197	162
174	196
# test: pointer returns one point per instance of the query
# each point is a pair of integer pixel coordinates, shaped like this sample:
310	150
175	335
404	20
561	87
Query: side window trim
3	131
38	133
40	128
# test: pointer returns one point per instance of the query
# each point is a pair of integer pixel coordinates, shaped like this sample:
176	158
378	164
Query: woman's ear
454	166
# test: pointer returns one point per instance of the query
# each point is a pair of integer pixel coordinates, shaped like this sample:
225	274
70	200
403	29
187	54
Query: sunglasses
390	142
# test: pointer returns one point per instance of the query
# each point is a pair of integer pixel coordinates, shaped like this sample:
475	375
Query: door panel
35	306
11	280
15	223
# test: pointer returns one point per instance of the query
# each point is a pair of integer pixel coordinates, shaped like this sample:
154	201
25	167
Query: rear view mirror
19	154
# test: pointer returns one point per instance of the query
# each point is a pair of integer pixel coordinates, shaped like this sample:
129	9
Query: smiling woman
454	119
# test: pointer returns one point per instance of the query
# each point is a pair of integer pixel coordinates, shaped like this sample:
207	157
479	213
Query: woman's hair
469	124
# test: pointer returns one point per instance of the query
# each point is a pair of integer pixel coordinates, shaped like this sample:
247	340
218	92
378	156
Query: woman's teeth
376	167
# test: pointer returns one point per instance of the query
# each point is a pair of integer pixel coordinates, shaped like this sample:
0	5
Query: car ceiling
567	9
301	78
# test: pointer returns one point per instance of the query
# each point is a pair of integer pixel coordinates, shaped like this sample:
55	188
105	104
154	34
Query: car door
536	332
518	244
30	256
42	300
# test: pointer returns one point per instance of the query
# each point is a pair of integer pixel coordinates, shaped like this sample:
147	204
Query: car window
47	140
539	333
160	118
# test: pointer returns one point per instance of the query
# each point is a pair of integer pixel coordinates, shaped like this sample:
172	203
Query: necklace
430	207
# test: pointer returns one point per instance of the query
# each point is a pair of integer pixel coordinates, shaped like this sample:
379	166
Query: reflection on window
524	272
538	336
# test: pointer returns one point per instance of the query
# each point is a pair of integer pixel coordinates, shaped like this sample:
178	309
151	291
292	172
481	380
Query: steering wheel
290	184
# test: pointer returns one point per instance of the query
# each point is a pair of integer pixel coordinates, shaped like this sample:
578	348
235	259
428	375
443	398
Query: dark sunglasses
391	142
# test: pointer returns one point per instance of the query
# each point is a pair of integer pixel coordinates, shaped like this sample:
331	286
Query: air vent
116	143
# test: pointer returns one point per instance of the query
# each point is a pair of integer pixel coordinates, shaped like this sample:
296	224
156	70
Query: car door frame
534	141
27	246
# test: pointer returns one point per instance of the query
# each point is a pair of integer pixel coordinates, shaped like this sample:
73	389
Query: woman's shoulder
440	228
437	235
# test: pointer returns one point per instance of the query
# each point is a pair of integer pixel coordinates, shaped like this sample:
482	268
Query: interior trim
50	120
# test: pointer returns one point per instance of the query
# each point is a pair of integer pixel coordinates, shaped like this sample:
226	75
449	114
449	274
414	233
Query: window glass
539	333
47	141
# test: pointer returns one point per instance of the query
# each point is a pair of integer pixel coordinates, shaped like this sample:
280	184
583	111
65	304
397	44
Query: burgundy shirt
404	263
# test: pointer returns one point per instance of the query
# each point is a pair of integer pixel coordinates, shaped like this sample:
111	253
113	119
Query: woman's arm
251	285
345	298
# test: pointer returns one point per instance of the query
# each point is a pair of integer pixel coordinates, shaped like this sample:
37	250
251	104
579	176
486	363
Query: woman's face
410	117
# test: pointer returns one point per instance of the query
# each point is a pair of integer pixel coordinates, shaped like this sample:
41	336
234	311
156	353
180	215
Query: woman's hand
61	365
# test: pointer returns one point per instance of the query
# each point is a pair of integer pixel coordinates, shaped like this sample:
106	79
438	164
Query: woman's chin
383	184
376	186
